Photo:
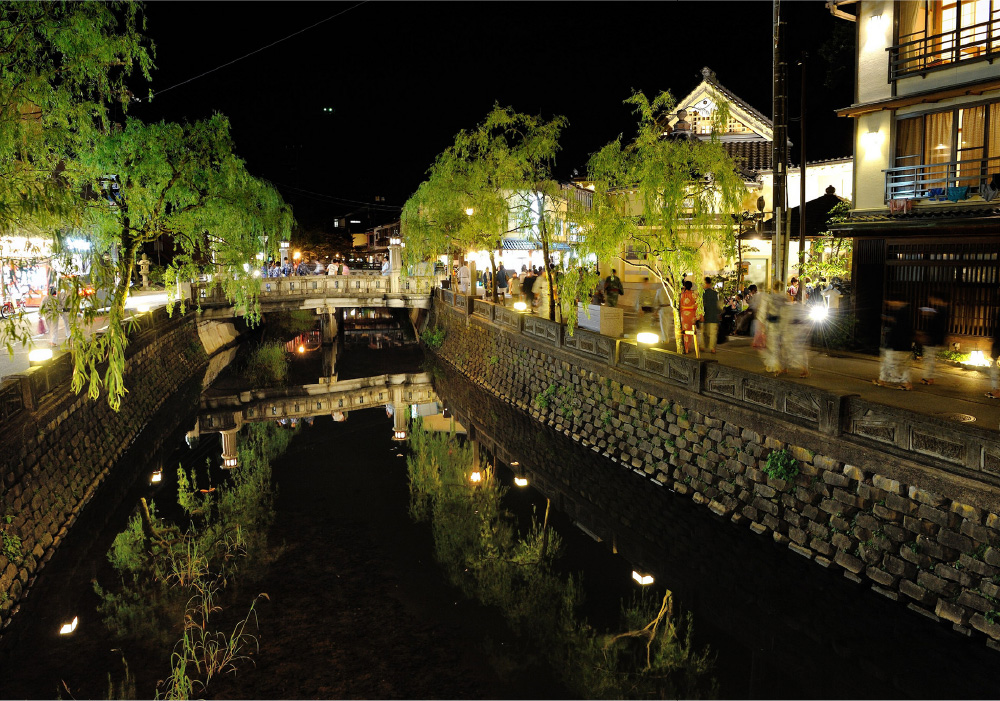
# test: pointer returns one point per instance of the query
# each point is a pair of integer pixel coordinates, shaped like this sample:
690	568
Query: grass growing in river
173	574
478	545
266	365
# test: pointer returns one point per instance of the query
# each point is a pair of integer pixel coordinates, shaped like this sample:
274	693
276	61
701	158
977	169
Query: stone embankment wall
59	447
916	520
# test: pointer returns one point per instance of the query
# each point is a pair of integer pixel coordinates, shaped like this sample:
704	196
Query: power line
323	196
257	51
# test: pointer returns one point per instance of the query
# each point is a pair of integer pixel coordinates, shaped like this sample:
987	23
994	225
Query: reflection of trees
478	543
176	570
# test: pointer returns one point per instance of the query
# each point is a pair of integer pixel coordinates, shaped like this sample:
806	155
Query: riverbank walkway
959	391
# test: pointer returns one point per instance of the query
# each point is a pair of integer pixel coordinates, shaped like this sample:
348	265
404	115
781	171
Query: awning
526	245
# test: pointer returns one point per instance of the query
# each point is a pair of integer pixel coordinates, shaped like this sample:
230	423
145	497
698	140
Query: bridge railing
357	284
901	432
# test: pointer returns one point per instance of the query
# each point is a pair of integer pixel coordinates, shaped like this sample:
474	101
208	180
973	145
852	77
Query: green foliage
169	573
12	548
781	465
835	262
433	337
267	365
544	398
481	550
954	356
668	201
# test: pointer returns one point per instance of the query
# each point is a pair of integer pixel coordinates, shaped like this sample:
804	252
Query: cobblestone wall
923	536
53	459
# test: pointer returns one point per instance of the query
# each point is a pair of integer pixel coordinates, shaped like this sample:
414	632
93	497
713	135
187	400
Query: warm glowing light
470	211
521	481
872	143
818	312
296	255
476	476
642	579
647	337
40	355
978	359
157	477
399	435
520	307
515	463
876	33
68	628
302	349
229	463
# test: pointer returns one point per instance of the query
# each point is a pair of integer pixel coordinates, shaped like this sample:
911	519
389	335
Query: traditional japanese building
926	213
748	138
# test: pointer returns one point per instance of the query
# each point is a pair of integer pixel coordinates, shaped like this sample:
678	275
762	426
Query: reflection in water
778	622
174	570
477	543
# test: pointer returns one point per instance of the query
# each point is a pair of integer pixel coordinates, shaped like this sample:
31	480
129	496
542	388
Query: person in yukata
936	320
689	313
894	369
770	311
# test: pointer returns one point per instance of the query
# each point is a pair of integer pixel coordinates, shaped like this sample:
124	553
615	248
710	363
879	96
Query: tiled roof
921	218
752	156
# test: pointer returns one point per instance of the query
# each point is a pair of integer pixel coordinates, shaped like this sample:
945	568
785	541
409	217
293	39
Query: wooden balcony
924	54
917	181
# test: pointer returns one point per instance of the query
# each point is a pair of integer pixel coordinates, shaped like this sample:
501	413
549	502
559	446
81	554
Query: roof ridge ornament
707	73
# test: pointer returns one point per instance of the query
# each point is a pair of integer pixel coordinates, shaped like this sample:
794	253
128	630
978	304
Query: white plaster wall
872	144
873	60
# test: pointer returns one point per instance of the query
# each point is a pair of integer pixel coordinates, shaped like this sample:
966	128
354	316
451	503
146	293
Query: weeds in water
266	365
170	572
478	544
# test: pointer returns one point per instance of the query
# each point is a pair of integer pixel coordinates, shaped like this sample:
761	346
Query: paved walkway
958	389
18	362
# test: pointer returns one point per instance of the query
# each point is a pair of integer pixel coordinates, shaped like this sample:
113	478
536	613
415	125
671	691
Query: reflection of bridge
227	413
326	293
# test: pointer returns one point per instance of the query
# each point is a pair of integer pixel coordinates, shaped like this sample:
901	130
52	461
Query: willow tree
494	180
668	199
63	67
181	181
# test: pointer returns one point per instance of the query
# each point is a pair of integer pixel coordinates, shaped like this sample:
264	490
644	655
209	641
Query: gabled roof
710	91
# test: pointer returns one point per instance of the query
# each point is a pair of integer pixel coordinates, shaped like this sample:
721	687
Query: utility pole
802	176
779	148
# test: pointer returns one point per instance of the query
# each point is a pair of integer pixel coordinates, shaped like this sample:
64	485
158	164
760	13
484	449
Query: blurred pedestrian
897	349
464	278
935	316
794	337
613	288
770	310
710	316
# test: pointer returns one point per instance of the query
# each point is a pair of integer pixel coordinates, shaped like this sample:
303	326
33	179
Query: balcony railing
918	181
928	53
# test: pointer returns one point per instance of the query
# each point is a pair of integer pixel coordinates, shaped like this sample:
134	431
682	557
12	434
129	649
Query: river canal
357	607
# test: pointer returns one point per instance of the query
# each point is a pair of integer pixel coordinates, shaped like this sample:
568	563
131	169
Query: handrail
938	50
916	181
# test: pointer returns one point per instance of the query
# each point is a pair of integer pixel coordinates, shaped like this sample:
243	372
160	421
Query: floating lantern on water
68	628
643	579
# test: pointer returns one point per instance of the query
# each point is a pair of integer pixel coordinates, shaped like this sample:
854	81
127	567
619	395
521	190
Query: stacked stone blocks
934	553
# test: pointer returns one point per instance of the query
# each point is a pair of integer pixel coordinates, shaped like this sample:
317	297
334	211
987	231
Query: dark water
359	609
783	627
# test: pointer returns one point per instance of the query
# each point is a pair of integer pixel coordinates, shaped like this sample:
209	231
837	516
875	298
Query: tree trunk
493	278
552	295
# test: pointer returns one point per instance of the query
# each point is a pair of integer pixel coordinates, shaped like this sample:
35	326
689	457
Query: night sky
403	78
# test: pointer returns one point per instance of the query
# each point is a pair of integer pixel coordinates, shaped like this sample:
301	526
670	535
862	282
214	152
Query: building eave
928	96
